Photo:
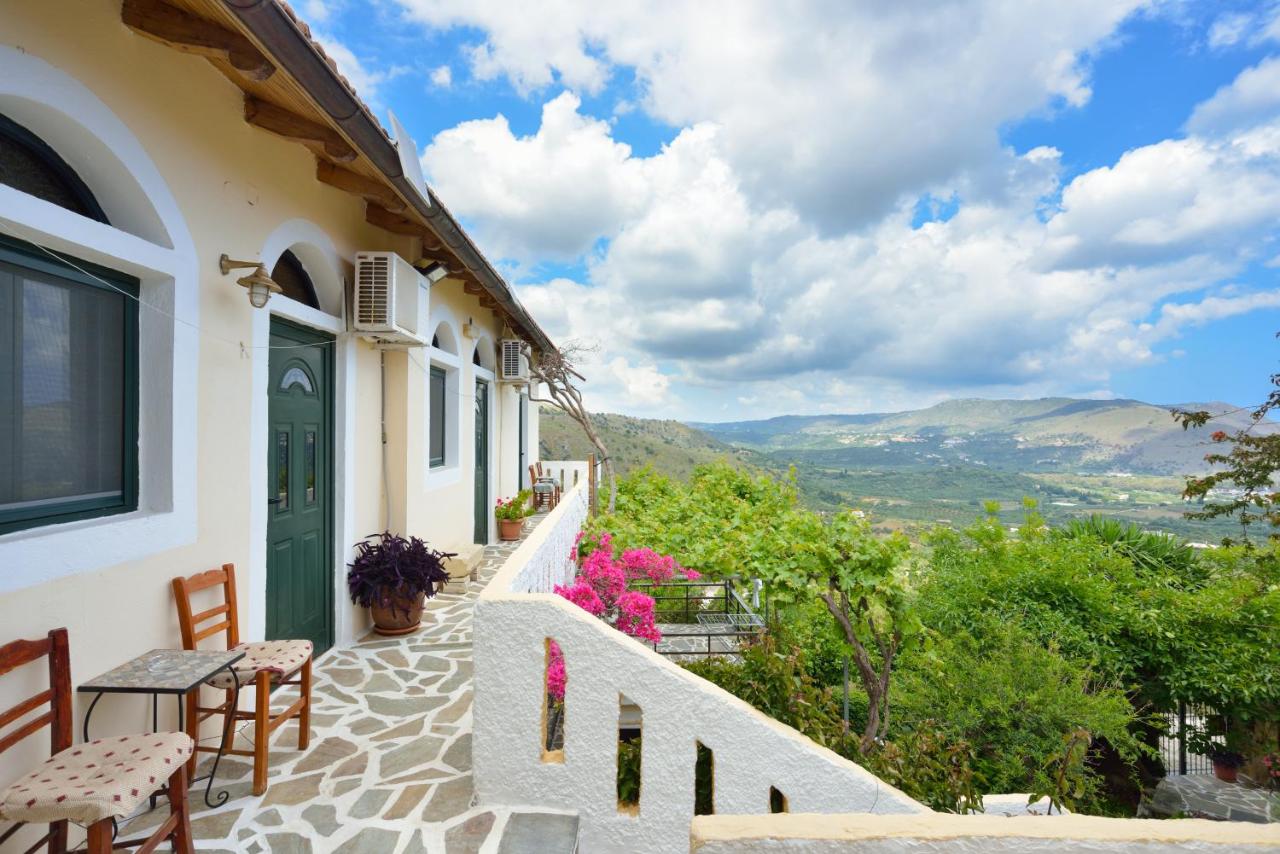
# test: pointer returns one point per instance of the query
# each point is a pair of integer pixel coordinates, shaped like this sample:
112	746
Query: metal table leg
227	738
89	713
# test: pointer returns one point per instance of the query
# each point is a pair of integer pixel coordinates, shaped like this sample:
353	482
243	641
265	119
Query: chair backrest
57	695
539	465
533	475
191	624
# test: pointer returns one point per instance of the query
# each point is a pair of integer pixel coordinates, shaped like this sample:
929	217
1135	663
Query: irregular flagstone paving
388	769
1205	796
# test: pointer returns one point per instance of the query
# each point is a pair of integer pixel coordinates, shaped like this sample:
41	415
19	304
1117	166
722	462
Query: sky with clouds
748	208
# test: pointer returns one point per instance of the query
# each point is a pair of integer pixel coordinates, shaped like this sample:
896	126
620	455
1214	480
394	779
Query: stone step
543	832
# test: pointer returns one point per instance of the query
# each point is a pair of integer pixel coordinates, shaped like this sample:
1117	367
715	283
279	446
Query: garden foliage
985	660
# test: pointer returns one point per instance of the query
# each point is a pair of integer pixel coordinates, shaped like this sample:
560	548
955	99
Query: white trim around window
152	244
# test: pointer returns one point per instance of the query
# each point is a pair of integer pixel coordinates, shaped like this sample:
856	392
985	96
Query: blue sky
854	207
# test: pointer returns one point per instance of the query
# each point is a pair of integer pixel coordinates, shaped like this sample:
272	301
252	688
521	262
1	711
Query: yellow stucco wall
235	185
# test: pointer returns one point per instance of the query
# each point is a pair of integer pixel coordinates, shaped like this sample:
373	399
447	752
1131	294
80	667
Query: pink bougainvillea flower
691	574
605	576
555	671
635	616
584	596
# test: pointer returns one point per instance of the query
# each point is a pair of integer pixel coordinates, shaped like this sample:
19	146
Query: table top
163	671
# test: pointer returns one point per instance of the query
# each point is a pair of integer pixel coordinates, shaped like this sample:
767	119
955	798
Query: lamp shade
260	286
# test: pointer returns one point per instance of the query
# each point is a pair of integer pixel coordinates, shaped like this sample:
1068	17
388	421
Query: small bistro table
177	672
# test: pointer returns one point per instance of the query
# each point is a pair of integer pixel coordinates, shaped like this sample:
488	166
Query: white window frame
164	260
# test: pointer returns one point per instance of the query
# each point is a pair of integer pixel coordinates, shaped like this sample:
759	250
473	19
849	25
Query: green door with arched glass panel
300	486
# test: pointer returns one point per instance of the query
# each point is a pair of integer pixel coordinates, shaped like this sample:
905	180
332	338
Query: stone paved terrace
389	765
1205	796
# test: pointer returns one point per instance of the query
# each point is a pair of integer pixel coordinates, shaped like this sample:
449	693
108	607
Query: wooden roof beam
360	185
189	33
314	135
395	223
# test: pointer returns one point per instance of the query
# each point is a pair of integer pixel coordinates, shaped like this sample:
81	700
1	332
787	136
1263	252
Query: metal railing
722	617
1174	752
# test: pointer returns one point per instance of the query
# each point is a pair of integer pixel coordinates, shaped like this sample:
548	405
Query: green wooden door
300	486
483	510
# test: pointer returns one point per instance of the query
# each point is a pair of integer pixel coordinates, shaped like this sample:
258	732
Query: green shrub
1011	701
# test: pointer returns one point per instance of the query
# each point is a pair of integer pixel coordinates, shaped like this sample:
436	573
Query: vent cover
389	296
515	366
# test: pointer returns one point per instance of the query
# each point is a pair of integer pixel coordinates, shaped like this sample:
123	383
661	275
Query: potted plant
511	514
393	577
1226	763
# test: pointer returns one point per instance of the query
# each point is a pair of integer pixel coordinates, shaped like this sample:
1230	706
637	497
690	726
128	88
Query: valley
912	470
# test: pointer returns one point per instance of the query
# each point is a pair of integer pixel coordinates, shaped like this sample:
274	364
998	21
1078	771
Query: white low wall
515	616
978	834
568	472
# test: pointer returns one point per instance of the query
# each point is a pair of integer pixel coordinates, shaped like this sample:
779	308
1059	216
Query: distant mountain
671	447
1049	434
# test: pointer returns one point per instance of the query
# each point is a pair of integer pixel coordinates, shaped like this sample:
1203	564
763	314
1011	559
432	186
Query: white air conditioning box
390	297
514	365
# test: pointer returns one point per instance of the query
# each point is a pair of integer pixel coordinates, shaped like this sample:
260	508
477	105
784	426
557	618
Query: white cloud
999	297
1232	29
836	109
442	77
1176	198
1252	97
716	269
1229	29
549	194
317	11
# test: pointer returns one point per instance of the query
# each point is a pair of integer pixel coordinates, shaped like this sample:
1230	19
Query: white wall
514	618
974	834
160	138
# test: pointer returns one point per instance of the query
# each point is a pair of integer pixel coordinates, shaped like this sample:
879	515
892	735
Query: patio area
389	766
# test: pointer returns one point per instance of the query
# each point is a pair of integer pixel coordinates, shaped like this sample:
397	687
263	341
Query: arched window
69	379
27	163
475	356
292	277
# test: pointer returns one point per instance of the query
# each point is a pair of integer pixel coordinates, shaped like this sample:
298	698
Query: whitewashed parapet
752	752
545	558
568	473
975	834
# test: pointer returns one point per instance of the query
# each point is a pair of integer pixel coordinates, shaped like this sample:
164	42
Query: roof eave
272	27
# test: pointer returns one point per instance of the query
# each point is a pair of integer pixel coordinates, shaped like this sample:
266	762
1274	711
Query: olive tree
862	582
555	371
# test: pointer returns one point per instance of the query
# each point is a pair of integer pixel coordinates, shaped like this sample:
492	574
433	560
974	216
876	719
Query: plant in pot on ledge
511	515
393	577
1226	758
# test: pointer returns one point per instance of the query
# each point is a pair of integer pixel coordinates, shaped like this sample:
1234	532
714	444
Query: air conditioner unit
388	293
514	367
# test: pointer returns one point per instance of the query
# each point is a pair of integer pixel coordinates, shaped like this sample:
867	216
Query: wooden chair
96	783
545	489
266	664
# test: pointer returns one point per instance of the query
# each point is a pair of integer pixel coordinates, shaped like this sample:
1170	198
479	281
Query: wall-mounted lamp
258	283
434	271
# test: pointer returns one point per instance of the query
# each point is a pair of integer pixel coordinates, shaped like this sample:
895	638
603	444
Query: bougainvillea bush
600	589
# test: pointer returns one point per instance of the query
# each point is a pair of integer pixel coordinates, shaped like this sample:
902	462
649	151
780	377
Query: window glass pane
63	392
309	449
296	377
437	416
292	278
282	470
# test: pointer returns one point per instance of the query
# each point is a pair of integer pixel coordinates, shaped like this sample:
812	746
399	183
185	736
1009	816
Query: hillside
671	447
1050	434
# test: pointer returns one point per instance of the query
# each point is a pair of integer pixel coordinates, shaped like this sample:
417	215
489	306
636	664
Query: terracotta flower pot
509	529
1225	772
399	616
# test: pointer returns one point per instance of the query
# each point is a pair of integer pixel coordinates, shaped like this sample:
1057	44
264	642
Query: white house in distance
153	421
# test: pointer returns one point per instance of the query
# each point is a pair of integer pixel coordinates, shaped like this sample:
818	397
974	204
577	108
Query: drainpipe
386	484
